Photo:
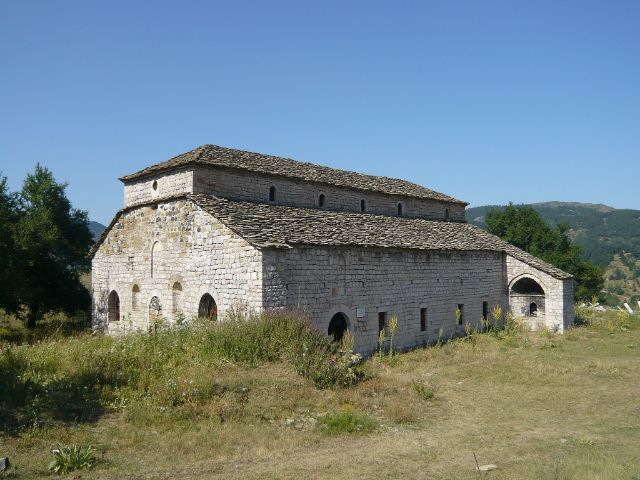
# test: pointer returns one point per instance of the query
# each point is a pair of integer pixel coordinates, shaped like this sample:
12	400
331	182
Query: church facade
217	230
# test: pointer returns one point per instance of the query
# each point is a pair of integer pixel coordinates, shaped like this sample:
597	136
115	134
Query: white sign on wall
361	312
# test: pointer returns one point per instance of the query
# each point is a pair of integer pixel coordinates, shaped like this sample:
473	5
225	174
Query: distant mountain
600	230
96	229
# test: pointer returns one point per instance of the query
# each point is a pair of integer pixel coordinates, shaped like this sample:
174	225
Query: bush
274	336
71	458
345	422
423	391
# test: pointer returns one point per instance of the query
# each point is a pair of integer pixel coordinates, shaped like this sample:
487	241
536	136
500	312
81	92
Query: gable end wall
192	248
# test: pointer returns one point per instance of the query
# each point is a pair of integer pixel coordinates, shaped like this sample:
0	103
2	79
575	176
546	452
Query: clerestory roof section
213	155
273	226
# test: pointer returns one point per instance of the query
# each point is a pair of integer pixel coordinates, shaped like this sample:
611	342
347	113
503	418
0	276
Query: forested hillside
601	231
608	237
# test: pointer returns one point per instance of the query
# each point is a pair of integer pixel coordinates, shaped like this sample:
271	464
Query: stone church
216	230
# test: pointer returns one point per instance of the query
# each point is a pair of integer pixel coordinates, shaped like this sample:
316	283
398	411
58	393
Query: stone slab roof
274	226
213	155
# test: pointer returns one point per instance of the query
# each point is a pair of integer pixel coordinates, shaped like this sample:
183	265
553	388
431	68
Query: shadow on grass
31	401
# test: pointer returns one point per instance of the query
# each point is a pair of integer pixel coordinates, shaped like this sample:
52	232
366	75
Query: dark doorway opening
207	308
113	307
337	326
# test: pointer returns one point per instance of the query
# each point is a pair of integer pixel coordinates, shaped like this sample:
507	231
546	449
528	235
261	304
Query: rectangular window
382	321
423	319
485	310
460	313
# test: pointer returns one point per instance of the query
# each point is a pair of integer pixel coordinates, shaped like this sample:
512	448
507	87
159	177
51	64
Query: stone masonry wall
169	184
249	186
558	303
154	248
360	283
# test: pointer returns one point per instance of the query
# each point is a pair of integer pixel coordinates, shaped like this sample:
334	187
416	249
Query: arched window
533	309
400	209
176	294
337	326
272	194
113	307
155	185
155	249
155	313
207	308
446	214
363	205
135	298
321	200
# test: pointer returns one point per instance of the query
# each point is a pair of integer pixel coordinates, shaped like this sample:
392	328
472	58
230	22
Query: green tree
8	258
53	239
523	227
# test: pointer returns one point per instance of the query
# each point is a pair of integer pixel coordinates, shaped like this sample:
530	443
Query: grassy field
189	405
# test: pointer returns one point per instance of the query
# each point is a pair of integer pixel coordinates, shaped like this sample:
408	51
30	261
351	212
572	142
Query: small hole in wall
155	185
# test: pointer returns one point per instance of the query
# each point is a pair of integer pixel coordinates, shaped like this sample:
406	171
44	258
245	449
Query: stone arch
207	307
531	276
113	307
527	298
338	325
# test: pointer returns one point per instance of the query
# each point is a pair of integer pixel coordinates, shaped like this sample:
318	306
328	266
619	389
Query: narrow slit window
321	200
423	319
460	314
363	206
400	210
272	194
485	310
382	322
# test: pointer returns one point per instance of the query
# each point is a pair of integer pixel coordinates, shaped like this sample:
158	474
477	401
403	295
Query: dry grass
538	406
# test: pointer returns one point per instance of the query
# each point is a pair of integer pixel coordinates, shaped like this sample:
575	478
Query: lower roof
277	226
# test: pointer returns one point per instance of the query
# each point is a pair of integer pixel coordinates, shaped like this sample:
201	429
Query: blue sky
488	101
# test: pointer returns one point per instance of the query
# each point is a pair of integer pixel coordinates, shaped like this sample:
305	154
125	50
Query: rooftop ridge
217	156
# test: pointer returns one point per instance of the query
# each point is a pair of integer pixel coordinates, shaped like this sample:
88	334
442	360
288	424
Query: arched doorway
337	326
207	308
527	300
113	307
155	314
